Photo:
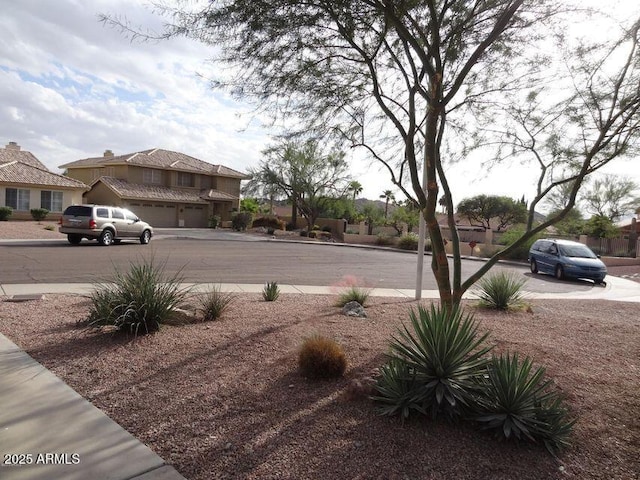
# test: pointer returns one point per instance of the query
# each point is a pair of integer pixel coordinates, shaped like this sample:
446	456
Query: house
26	183
164	188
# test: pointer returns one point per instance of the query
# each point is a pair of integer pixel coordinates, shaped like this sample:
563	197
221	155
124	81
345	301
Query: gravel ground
226	400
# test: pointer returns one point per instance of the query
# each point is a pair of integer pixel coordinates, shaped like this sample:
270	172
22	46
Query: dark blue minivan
566	259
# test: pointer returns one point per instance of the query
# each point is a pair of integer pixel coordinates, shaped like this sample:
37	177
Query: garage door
195	216
156	214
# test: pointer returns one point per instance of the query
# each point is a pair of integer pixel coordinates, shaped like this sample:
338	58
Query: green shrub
510	236
269	222
304	233
241	221
214	221
214	303
321	357
326	228
353	293
137	301
501	290
39	214
435	366
408	241
290	227
5	213
51	228
385	240
516	402
271	292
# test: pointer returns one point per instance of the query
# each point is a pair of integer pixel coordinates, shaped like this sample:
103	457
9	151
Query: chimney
13	146
108	153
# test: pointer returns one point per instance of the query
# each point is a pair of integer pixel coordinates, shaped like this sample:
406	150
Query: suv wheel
145	237
534	266
74	239
106	238
559	272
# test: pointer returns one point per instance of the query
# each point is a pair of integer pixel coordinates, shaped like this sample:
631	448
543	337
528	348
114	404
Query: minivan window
102	212
579	251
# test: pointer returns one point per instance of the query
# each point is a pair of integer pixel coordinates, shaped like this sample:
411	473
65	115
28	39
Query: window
152	176
186	179
130	216
17	198
102	212
52	201
117	213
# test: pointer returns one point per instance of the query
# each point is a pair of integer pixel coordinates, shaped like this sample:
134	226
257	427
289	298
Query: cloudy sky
71	88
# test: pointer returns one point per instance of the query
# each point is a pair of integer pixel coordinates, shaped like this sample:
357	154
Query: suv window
130	215
117	213
78	211
102	212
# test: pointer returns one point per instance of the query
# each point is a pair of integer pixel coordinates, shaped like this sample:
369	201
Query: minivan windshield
580	251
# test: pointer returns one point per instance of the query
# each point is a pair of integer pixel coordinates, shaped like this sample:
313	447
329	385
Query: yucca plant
271	292
517	402
137	301
443	359
353	294
214	303
501	290
399	392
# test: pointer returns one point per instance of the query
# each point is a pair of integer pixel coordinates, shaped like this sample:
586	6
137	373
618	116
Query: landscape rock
354	309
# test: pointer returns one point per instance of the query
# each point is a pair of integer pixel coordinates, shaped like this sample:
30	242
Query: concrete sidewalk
48	431
618	289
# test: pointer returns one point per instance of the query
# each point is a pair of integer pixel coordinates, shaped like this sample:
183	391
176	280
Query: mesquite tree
405	80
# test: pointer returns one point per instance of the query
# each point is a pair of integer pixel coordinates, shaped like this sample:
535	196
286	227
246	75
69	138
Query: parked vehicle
566	259
103	223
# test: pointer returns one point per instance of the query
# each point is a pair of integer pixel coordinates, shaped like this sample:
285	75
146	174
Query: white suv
103	223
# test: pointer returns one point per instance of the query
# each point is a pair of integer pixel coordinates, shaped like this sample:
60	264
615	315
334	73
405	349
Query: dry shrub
321	357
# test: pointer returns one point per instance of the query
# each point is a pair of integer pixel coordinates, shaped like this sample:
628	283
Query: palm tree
388	196
355	188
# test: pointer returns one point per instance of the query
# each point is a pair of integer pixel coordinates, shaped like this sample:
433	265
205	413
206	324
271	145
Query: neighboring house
26	183
164	188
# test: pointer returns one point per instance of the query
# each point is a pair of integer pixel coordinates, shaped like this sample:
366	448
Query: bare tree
398	79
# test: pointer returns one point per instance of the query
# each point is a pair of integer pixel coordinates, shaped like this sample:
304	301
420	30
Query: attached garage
194	216
160	215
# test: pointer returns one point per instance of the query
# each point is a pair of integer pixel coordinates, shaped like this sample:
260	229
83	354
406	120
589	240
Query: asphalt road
235	258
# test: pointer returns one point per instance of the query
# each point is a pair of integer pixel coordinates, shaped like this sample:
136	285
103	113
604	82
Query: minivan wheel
145	237
534	266
74	239
559	272
106	238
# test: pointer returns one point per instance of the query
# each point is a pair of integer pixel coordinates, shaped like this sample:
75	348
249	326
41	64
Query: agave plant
518	403
271	292
501	290
443	358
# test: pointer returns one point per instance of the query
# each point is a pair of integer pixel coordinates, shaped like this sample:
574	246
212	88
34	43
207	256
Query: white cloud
71	88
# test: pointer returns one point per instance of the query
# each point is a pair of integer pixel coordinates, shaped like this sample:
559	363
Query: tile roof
8	155
25	173
159	158
128	190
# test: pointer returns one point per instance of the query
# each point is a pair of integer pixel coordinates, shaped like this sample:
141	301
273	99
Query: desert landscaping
225	399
